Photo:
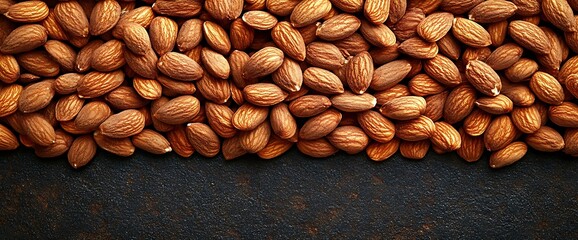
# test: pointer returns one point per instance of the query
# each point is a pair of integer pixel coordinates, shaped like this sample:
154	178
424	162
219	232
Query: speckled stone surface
342	197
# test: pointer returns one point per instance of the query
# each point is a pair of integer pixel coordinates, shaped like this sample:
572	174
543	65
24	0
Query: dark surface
295	197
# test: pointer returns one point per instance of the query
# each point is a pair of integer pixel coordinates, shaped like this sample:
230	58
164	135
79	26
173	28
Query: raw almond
119	146
350	139
72	18
508	155
350	102
322	81
492	11
377	151
415	150
152	142
82	151
309	105
8	140
92	115
546	139
404	108
38	129
530	36
527	119
178	110
547	88
27	11
124	124
203	139
376	126
36	96
500	133
289	40
318	148
309	11
483	78
421	128
24	38
435	26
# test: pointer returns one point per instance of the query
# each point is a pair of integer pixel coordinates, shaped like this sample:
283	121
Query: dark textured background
294	197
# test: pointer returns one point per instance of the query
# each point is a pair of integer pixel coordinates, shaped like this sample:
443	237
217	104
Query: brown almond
104	17
483	78
124	124
92	115
178	110
179	66
68	107
178	8
82	151
72	18
460	103
497	105
376	11
325	55
377	151
421	128
263	63
471	33
530	36
320	125
527	119
288	76
389	74
435	26
415	150
508	155
472	148
546	139
152	142
96	84
492	11
248	117
215	63
443	70
404	108
216	37
203	139
350	139
446	137
322	81
547	88
24	38
500	133
38	129
119	146
309	11
318	148
376	126
350	102
564	115
8	140
289	40
228	10
338	27
36	96
309	105
256	140
560	14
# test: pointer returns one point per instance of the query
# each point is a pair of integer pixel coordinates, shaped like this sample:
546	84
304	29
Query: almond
376	11
179	142
390	74
152	142
547	88
36	96
350	139
263	63
318	148
435	26
564	115
38	129
443	70
92	115
338	27
350	102
376	126
309	105
178	8
471	33
522	70
288	76
417	48
421	128
289	40
256	140
527	119
58	148
495	105
500	133
459	104
203	139
325	55
446	137
68	107
546	139
560	14
472	148
571	142
414	150
320	125
530	36
483	78
504	56
216	37
248	117
124	124
309	11
72	18
119	146
190	35
179	110
377	151
224	10
215	90
180	67
378	35
259	20
82	151
508	155
404	108
434	108
322	81
104	17
8	140
492	11
24	38
282	122
27	11
215	63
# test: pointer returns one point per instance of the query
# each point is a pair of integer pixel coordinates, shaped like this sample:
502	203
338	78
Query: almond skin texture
382	151
248	116
104	16
24	38
124	124
435	26
263	63
418	129
152	142
318	148
289	40
72	18
446	137
264	94
404	108
38	129
547	88
470	33
564	115
309	105
350	139
180	67
309	11
492	11
508	155
82	151
27	11
322	81
203	139
560	14
483	78
546	139
178	110
500	133
8	140
376	126
530	36
320	125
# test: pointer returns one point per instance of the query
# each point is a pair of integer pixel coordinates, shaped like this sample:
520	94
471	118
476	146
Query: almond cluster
258	76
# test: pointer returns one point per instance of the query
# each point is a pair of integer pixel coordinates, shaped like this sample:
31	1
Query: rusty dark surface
342	197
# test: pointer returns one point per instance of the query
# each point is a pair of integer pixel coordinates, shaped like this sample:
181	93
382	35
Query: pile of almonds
259	76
